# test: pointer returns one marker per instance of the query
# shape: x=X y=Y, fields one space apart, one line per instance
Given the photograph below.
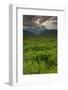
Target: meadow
x=40 y=54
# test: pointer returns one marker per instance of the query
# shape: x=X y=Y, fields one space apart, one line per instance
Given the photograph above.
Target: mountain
x=36 y=30
x=39 y=31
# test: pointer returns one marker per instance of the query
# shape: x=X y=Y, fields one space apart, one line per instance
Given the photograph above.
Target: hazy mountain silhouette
x=36 y=30
x=39 y=31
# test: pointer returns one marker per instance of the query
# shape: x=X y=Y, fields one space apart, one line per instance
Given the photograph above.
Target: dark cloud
x=32 y=20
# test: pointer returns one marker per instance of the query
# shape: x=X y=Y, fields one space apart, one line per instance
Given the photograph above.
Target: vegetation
x=40 y=54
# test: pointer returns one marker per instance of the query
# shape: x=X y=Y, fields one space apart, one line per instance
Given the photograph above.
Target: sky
x=49 y=22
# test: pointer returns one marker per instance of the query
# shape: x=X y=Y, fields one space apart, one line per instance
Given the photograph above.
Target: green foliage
x=40 y=55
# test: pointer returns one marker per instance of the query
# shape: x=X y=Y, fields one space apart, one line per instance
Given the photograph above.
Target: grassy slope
x=40 y=54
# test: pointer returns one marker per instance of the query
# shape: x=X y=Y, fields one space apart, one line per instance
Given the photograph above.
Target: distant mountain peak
x=37 y=29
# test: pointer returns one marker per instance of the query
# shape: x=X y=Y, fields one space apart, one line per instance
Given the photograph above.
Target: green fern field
x=40 y=54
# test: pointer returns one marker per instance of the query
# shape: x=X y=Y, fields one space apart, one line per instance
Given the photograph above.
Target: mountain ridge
x=38 y=30
x=49 y=32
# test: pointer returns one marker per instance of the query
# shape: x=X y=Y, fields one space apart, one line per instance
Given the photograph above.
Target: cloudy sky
x=49 y=22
